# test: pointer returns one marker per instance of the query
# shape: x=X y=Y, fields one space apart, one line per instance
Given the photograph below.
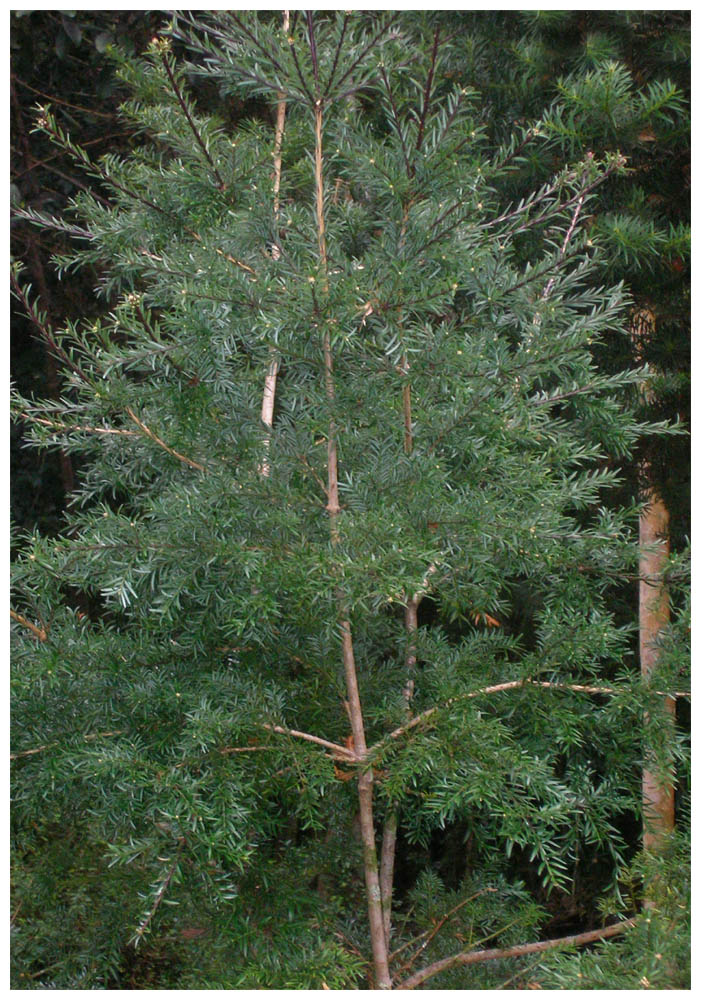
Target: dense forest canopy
x=351 y=351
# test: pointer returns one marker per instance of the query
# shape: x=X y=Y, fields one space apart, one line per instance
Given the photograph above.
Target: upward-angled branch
x=545 y=213
x=396 y=121
x=158 y=899
x=563 y=248
x=548 y=192
x=368 y=48
x=309 y=15
x=490 y=954
x=300 y=75
x=427 y=92
x=98 y=171
x=339 y=48
x=46 y=334
x=253 y=38
x=159 y=441
x=190 y=120
x=338 y=750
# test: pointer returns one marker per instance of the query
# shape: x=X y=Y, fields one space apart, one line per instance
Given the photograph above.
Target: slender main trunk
x=365 y=778
x=389 y=837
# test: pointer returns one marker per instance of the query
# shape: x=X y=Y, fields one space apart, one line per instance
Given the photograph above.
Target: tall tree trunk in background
x=658 y=793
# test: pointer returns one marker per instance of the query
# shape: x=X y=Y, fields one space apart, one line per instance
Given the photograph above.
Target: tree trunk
x=653 y=617
x=658 y=795
x=365 y=777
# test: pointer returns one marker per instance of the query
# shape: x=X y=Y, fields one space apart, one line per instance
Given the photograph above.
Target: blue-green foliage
x=189 y=607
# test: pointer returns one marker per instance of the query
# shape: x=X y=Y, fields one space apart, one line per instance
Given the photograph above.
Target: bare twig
x=146 y=922
x=40 y=633
x=171 y=451
x=563 y=249
x=77 y=427
x=486 y=955
x=47 y=746
x=339 y=750
x=66 y=104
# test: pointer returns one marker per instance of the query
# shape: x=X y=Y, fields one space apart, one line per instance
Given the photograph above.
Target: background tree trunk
x=658 y=794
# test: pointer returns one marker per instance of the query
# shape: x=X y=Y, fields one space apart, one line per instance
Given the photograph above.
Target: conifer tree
x=267 y=650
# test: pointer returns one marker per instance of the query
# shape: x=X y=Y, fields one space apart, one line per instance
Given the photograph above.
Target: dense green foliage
x=170 y=809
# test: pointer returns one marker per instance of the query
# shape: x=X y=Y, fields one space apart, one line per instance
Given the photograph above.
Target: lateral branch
x=506 y=686
x=486 y=955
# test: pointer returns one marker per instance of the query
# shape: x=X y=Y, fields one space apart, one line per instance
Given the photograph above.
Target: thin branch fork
x=446 y=916
x=486 y=955
x=304 y=461
x=431 y=933
x=338 y=750
x=193 y=127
